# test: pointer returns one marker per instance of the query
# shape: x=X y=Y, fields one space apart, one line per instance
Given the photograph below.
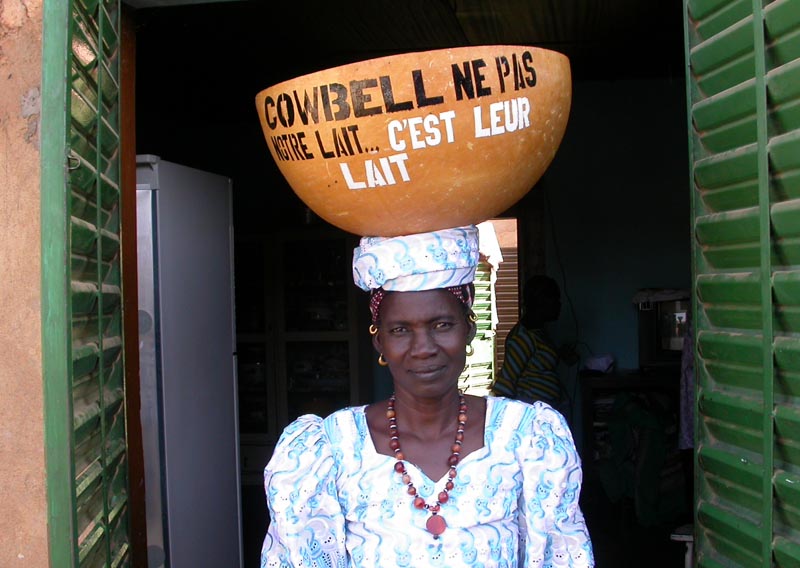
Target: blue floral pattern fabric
x=335 y=501
x=423 y=261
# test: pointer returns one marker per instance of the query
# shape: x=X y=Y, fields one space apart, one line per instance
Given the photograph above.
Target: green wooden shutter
x=744 y=99
x=477 y=376
x=82 y=308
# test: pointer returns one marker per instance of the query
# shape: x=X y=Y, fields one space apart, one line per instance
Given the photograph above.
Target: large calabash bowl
x=420 y=141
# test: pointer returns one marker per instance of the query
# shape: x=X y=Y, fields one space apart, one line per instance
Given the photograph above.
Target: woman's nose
x=422 y=344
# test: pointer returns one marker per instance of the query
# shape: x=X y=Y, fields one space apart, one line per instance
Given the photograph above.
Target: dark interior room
x=608 y=218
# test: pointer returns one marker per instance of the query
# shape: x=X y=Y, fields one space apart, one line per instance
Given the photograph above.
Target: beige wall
x=23 y=504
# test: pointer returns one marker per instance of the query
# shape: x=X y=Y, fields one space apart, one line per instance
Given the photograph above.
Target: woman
x=429 y=477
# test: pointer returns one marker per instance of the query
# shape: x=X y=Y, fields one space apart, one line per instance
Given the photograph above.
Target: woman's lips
x=426 y=371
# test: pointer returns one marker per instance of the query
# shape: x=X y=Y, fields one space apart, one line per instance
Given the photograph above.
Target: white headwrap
x=422 y=261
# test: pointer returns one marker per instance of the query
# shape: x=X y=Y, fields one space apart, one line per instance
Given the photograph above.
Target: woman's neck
x=427 y=418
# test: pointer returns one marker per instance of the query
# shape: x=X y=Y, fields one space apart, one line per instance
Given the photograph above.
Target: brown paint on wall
x=137 y=508
x=23 y=523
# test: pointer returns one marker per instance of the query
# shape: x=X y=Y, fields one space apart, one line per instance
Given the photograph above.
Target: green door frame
x=56 y=354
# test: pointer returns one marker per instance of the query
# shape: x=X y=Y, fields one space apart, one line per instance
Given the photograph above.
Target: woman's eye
x=443 y=325
x=396 y=330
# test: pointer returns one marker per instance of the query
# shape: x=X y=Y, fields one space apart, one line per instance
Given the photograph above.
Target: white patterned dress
x=334 y=501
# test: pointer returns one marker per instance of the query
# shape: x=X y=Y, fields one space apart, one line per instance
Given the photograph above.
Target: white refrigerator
x=187 y=346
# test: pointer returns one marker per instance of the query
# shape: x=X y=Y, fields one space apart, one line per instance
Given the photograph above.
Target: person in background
x=429 y=477
x=530 y=365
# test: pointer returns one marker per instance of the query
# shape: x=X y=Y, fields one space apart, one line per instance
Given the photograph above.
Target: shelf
x=599 y=395
x=303 y=357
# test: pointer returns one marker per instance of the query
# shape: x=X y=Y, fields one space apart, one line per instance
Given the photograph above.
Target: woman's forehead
x=419 y=304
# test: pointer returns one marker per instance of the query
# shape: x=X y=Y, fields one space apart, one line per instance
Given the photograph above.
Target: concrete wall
x=619 y=192
x=23 y=521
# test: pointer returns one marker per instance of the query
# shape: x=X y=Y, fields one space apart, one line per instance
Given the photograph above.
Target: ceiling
x=603 y=38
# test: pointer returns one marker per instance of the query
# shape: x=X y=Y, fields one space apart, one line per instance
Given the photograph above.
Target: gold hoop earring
x=473 y=318
x=373 y=330
x=381 y=361
x=470 y=349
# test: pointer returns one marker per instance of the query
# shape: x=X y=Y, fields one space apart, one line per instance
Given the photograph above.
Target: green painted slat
x=784 y=150
x=734 y=196
x=782 y=17
x=785 y=49
x=728 y=228
x=730 y=288
x=784 y=85
x=734 y=316
x=85 y=358
x=727 y=120
x=787 y=551
x=730 y=106
x=735 y=470
x=787 y=384
x=729 y=45
x=786 y=252
x=734 y=257
x=734 y=71
x=734 y=410
x=786 y=185
x=734 y=376
x=726 y=169
x=700 y=10
x=787 y=447
x=786 y=219
x=734 y=535
x=787 y=353
x=745 y=498
x=731 y=135
x=787 y=116
x=723 y=17
x=725 y=433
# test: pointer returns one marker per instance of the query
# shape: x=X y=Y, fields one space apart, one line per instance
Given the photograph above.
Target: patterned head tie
x=465 y=294
x=424 y=261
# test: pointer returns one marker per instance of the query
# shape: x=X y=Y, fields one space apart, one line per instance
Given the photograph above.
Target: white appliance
x=188 y=366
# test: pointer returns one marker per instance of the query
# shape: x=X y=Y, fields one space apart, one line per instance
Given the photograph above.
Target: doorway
x=195 y=101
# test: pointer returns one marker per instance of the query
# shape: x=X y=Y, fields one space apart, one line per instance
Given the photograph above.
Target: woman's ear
x=376 y=342
x=473 y=330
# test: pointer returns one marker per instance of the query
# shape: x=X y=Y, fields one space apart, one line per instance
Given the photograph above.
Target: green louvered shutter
x=744 y=100
x=476 y=379
x=82 y=326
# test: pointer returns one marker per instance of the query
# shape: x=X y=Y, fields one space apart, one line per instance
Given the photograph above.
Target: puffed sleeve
x=306 y=521
x=552 y=528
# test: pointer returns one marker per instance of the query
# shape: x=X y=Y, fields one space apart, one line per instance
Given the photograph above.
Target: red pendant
x=436 y=525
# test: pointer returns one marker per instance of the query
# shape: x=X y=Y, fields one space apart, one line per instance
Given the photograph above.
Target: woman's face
x=423 y=337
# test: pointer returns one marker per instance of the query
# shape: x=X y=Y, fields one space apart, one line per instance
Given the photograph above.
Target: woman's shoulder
x=505 y=412
x=518 y=425
x=313 y=439
x=311 y=429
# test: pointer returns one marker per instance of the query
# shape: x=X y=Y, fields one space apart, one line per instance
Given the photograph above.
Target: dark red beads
x=435 y=524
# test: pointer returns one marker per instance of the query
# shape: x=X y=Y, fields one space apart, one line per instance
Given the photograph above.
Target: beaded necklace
x=436 y=523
